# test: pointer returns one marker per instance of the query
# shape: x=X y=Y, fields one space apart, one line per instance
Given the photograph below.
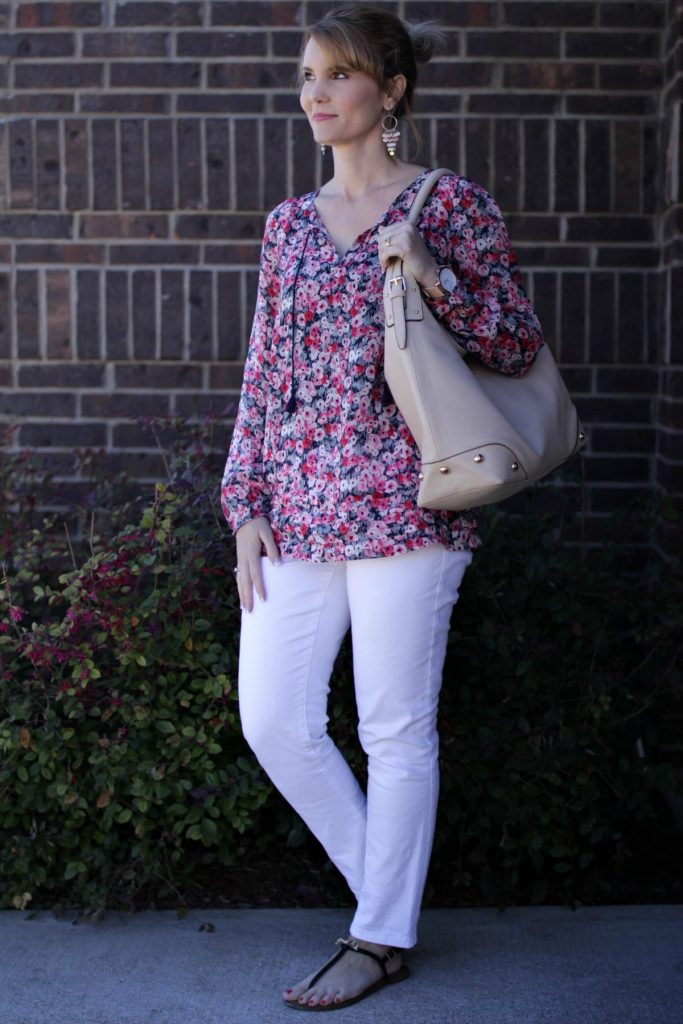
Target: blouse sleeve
x=244 y=492
x=489 y=312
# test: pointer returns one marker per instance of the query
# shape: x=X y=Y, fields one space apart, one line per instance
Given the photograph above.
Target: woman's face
x=352 y=103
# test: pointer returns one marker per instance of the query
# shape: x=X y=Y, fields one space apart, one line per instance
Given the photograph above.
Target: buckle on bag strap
x=398 y=281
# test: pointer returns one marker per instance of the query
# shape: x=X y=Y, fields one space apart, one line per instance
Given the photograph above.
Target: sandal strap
x=323 y=970
x=381 y=960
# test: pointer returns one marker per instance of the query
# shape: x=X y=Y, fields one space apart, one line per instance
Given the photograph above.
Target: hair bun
x=427 y=38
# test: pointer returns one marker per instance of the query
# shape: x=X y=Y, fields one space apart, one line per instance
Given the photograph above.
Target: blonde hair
x=379 y=44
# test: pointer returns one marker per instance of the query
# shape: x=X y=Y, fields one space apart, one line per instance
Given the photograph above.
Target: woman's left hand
x=403 y=240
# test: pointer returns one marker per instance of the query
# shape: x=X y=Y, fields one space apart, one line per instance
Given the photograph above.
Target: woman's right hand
x=250 y=539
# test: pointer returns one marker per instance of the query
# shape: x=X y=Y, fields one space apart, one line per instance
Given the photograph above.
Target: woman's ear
x=396 y=86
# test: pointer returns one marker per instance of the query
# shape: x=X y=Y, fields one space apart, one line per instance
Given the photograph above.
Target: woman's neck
x=357 y=176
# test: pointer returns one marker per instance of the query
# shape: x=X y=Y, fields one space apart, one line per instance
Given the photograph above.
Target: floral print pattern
x=317 y=447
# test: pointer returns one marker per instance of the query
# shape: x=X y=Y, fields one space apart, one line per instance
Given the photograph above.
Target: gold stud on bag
x=483 y=435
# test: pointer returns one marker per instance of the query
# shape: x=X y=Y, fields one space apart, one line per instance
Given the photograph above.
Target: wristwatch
x=446 y=281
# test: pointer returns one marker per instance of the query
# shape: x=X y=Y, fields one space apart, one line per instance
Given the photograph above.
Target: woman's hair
x=379 y=44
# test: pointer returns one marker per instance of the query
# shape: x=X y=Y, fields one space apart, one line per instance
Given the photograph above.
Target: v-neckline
x=365 y=231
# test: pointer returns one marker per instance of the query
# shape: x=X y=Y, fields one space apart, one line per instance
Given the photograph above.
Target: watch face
x=447 y=279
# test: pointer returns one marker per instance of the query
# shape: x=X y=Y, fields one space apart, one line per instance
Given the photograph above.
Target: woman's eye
x=307 y=75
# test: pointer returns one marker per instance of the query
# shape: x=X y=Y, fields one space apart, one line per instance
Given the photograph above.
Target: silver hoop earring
x=391 y=134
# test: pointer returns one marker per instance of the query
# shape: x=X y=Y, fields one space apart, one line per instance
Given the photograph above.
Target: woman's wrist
x=429 y=282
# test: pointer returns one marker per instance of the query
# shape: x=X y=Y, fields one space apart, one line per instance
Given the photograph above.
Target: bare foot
x=353 y=973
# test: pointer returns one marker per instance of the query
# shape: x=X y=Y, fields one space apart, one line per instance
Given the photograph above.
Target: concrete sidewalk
x=595 y=965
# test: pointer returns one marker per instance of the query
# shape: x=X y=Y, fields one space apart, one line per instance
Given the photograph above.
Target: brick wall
x=142 y=144
x=669 y=407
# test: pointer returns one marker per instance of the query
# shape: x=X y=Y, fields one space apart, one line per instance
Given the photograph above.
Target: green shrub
x=123 y=773
x=122 y=765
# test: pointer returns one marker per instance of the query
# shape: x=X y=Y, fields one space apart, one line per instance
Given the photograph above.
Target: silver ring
x=387 y=241
x=236 y=570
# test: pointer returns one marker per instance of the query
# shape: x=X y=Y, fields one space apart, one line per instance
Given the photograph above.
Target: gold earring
x=391 y=134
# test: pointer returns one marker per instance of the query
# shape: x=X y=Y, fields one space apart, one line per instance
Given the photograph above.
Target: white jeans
x=399 y=611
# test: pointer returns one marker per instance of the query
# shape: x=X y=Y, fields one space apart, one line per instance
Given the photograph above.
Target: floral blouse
x=318 y=445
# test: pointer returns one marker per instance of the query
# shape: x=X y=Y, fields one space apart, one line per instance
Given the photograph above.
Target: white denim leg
x=288 y=644
x=400 y=614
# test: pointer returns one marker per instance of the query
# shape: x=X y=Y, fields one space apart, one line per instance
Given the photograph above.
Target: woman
x=321 y=482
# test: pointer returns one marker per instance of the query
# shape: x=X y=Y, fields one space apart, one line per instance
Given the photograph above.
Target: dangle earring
x=391 y=134
x=323 y=148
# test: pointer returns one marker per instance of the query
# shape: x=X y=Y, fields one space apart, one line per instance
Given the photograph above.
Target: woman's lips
x=323 y=117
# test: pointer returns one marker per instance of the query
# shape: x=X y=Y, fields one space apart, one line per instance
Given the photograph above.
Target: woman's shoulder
x=290 y=215
x=465 y=193
x=287 y=210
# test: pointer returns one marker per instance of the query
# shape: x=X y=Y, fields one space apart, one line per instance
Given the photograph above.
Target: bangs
x=345 y=49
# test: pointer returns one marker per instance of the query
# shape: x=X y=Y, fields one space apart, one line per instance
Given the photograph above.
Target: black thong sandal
x=387 y=979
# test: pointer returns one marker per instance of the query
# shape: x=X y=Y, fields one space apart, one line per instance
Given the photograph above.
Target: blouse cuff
x=242 y=503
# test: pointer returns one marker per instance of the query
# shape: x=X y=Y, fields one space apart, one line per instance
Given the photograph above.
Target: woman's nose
x=318 y=90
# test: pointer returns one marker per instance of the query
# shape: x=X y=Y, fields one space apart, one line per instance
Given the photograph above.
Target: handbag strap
x=395 y=285
x=426 y=187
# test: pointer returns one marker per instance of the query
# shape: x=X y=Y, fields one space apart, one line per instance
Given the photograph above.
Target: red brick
x=613 y=229
x=223 y=44
x=88 y=314
x=59 y=329
x=60 y=375
x=631 y=15
x=625 y=440
x=161 y=169
x=39 y=403
x=250 y=76
x=172 y=314
x=226 y=375
x=148 y=12
x=512 y=44
x=63 y=435
x=124 y=406
x=124 y=225
x=170 y=376
x=555 y=76
x=201 y=315
x=126 y=44
x=636 y=45
x=27 y=314
x=216 y=225
x=144 y=314
x=264 y=13
x=36 y=44
x=5 y=315
x=126 y=103
x=188 y=148
x=155 y=254
x=132 y=164
x=58 y=15
x=170 y=75
x=58 y=76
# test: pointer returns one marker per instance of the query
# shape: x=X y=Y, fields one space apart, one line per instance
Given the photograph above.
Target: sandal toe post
x=387 y=979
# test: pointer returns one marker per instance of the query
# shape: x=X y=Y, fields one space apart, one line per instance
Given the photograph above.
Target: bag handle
x=395 y=284
x=426 y=187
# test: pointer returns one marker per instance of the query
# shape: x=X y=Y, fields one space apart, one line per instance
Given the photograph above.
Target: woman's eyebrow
x=332 y=67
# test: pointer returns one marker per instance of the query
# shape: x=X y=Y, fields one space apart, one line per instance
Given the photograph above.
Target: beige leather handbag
x=483 y=435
